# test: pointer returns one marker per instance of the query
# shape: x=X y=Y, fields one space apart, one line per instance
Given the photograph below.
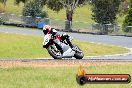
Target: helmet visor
x=45 y=31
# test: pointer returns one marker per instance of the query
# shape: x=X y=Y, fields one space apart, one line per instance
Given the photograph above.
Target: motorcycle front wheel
x=52 y=51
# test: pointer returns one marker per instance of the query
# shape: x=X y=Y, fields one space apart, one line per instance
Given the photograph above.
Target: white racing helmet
x=46 y=29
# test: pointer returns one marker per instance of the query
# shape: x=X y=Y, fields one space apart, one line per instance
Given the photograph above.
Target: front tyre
x=79 y=54
x=53 y=53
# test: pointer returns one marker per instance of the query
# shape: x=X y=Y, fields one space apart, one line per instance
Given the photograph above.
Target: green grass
x=21 y=46
x=60 y=77
x=94 y=49
x=120 y=19
x=82 y=14
x=28 y=46
x=11 y=7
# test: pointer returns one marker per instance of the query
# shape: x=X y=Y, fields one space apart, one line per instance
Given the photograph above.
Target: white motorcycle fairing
x=68 y=52
x=46 y=39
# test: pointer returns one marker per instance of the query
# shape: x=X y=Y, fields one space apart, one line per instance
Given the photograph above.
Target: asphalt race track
x=105 y=39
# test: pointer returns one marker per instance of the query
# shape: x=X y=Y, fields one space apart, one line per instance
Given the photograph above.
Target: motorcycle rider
x=48 y=30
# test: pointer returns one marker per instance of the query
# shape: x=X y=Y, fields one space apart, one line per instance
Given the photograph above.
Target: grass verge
x=60 y=77
x=28 y=46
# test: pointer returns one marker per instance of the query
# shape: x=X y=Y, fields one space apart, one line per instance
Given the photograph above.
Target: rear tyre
x=53 y=53
x=79 y=54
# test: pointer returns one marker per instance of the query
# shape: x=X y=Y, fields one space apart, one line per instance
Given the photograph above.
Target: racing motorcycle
x=65 y=51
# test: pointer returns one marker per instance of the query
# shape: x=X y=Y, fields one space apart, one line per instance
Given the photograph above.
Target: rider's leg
x=68 y=40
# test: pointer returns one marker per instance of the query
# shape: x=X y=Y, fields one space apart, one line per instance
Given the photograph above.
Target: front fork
x=58 y=46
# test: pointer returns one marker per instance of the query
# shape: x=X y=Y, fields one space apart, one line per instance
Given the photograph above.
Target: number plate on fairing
x=46 y=39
